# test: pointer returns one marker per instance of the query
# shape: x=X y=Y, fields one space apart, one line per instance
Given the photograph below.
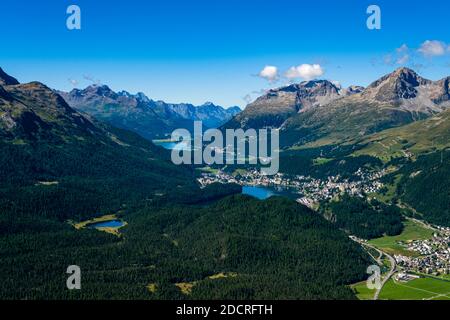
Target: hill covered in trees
x=365 y=219
x=58 y=166
x=425 y=186
x=236 y=248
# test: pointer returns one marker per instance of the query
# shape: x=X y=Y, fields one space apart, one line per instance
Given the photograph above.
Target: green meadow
x=362 y=292
x=412 y=231
x=417 y=289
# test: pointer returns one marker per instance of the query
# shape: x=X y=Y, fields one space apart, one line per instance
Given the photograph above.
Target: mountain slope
x=277 y=105
x=32 y=111
x=413 y=139
x=424 y=185
x=58 y=163
x=6 y=79
x=122 y=110
x=150 y=119
x=399 y=98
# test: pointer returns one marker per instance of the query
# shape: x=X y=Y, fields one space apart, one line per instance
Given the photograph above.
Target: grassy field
x=239 y=171
x=152 y=287
x=417 y=289
x=186 y=287
x=412 y=231
x=319 y=161
x=385 y=149
x=390 y=192
x=208 y=170
x=362 y=292
x=413 y=139
x=83 y=224
x=105 y=218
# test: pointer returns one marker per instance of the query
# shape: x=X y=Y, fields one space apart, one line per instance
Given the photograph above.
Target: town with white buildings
x=310 y=190
x=433 y=255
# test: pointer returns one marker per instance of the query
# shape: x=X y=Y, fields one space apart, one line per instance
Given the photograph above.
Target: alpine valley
x=368 y=167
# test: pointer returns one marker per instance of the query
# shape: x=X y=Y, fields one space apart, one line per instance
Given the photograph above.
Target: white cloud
x=91 y=78
x=404 y=48
x=304 y=71
x=432 y=48
x=403 y=59
x=387 y=59
x=73 y=82
x=269 y=73
x=402 y=55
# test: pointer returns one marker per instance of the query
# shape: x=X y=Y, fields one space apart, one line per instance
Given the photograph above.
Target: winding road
x=392 y=261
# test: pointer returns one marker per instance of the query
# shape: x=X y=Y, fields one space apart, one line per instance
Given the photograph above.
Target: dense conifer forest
x=176 y=233
x=425 y=185
x=365 y=219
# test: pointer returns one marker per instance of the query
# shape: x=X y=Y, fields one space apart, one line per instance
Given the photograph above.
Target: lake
x=107 y=224
x=258 y=192
x=171 y=145
x=262 y=193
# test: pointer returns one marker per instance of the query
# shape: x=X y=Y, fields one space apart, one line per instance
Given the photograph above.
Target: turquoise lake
x=170 y=145
x=107 y=224
x=262 y=193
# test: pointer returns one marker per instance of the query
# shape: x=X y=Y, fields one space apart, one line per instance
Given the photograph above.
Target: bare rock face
x=277 y=105
x=32 y=111
x=136 y=112
x=443 y=93
x=396 y=99
x=401 y=84
x=315 y=110
x=353 y=90
x=4 y=94
x=410 y=92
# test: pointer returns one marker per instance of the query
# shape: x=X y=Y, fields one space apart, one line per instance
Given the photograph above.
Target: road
x=380 y=262
x=422 y=223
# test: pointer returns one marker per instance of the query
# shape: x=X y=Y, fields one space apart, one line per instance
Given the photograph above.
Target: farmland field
x=412 y=231
x=417 y=289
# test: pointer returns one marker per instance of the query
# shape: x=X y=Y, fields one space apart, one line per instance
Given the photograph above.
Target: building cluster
x=220 y=177
x=311 y=190
x=434 y=254
x=405 y=277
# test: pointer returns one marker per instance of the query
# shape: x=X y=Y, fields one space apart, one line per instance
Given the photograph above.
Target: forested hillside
x=365 y=219
x=425 y=185
x=59 y=167
x=274 y=249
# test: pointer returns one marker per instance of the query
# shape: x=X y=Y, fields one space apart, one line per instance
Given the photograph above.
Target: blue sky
x=197 y=51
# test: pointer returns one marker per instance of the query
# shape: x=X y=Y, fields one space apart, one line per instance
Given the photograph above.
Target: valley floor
x=417 y=275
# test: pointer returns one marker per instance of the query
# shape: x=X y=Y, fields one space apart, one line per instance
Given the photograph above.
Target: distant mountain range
x=43 y=139
x=321 y=112
x=136 y=112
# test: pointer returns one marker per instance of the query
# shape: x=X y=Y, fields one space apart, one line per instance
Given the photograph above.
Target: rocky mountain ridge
x=136 y=112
